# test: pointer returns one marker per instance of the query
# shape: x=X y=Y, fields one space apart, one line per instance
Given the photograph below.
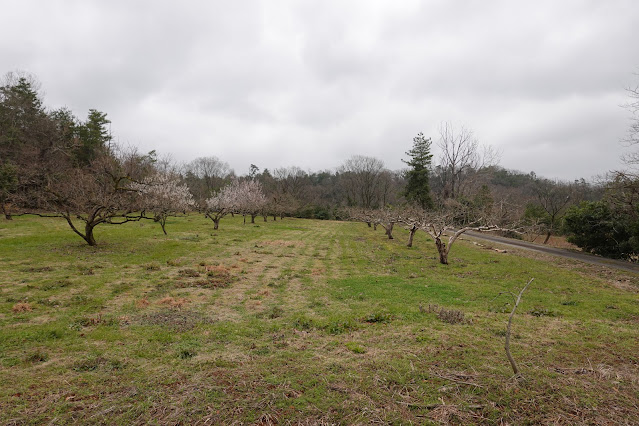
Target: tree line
x=55 y=164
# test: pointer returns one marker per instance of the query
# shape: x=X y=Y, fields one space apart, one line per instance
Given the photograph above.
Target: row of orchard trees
x=444 y=223
x=54 y=164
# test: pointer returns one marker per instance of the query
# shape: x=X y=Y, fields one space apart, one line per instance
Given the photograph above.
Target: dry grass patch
x=625 y=285
x=264 y=292
x=173 y=302
x=142 y=303
x=21 y=307
x=215 y=276
x=605 y=372
x=188 y=273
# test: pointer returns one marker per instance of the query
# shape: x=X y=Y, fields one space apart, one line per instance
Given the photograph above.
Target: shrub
x=452 y=316
x=596 y=228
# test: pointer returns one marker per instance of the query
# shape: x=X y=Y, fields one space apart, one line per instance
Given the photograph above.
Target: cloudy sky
x=310 y=83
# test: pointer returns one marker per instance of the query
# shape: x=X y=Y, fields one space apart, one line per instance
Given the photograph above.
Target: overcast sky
x=310 y=83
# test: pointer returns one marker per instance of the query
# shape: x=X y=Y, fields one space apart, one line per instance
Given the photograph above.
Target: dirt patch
x=626 y=285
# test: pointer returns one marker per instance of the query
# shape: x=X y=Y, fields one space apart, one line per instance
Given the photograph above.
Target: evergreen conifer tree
x=418 y=176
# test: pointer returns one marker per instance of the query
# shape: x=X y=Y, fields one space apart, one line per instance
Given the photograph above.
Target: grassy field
x=303 y=322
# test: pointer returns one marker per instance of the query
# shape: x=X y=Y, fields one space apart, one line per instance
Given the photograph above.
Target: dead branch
x=517 y=299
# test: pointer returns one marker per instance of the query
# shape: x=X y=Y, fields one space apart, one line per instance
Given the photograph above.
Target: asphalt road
x=582 y=257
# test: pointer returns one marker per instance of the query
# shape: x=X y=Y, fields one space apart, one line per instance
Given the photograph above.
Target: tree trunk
x=389 y=230
x=369 y=224
x=88 y=229
x=547 y=238
x=274 y=218
x=443 y=253
x=7 y=214
x=163 y=224
x=88 y=234
x=411 y=234
x=265 y=218
x=252 y=218
x=216 y=223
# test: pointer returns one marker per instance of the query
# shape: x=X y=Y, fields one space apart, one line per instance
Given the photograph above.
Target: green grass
x=302 y=321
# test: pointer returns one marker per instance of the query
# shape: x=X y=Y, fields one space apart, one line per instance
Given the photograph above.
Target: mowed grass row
x=301 y=321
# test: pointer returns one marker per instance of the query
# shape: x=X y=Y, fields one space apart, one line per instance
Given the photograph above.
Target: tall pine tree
x=418 y=176
x=94 y=137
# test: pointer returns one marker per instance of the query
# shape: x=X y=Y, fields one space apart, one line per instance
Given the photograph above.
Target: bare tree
x=282 y=204
x=385 y=217
x=516 y=300
x=286 y=190
x=361 y=176
x=461 y=157
x=632 y=138
x=290 y=181
x=411 y=219
x=359 y=214
x=554 y=198
x=441 y=222
x=94 y=195
x=205 y=175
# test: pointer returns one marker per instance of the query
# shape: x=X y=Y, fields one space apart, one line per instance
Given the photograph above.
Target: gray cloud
x=311 y=83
